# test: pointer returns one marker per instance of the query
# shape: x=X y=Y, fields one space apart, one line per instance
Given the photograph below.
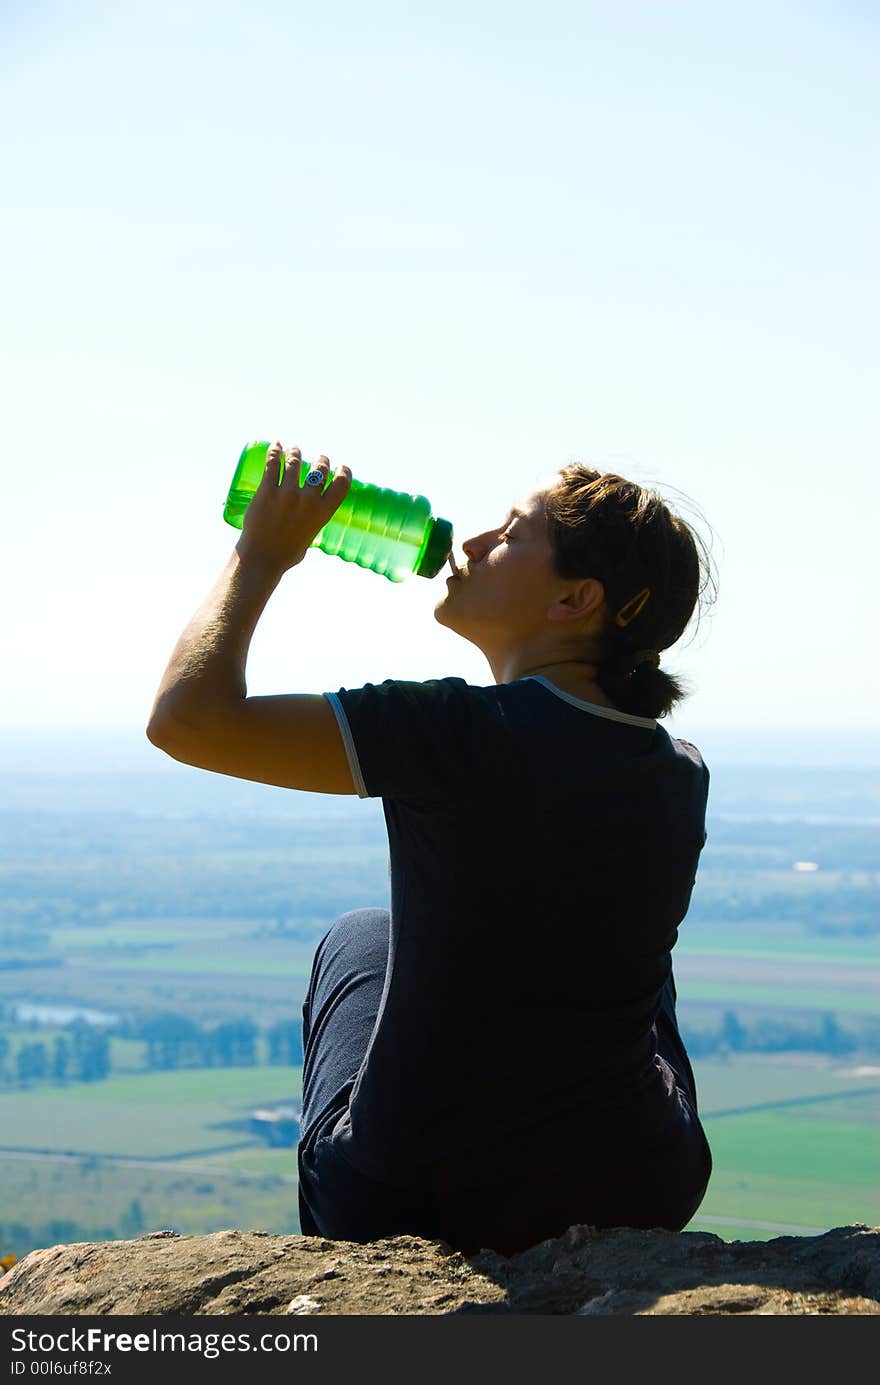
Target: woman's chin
x=442 y=613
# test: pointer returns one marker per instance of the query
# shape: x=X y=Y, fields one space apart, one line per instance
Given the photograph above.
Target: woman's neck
x=573 y=676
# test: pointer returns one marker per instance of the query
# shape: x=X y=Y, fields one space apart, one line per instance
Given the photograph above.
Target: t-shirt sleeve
x=424 y=741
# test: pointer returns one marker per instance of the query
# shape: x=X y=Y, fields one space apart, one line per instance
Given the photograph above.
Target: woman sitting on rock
x=496 y=1057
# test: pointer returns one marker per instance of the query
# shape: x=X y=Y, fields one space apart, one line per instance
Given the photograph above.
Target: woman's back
x=542 y=855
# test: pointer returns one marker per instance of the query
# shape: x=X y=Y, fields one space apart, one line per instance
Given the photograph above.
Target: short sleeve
x=424 y=741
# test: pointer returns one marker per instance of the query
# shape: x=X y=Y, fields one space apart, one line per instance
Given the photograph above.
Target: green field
x=750 y=1079
x=148 y=1157
x=143 y=933
x=256 y=1159
x=53 y=1203
x=773 y=944
x=233 y=965
x=774 y=966
x=206 y=968
x=729 y=995
x=796 y=1170
x=149 y=1116
x=810 y=1163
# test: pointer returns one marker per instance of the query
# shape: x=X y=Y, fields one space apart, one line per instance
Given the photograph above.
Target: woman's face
x=502 y=597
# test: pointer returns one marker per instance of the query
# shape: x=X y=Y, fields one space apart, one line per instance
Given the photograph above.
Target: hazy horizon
x=58 y=750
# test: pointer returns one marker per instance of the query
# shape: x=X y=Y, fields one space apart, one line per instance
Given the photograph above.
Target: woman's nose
x=472 y=548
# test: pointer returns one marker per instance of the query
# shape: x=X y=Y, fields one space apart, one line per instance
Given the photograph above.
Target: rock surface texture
x=585 y=1271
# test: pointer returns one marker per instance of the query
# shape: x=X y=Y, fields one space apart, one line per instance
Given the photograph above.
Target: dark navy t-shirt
x=542 y=854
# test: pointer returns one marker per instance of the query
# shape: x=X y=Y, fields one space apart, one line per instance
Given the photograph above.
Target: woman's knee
x=359 y=934
x=366 y=920
x=355 y=946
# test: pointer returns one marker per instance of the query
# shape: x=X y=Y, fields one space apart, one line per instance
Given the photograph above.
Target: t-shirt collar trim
x=611 y=712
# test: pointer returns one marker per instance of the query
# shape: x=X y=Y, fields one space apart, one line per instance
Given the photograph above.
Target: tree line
x=83 y=1052
x=821 y=1035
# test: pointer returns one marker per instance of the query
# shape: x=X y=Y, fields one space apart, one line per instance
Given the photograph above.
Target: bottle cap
x=436 y=549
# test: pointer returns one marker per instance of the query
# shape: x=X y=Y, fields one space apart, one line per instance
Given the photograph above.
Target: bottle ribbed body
x=389 y=532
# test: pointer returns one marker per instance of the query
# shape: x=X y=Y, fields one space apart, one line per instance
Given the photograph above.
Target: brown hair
x=653 y=566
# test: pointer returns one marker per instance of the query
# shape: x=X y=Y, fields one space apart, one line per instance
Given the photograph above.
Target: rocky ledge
x=585 y=1271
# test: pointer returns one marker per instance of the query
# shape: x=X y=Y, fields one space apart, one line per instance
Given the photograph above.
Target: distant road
x=121 y=1161
x=791 y=1101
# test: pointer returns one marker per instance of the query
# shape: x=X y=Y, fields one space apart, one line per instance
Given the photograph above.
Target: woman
x=497 y=1056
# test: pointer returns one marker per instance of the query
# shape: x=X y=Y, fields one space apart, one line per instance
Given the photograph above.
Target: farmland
x=210 y=919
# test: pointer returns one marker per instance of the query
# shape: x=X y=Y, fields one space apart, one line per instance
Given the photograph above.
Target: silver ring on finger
x=316 y=477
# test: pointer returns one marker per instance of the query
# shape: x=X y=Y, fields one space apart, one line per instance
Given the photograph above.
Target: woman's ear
x=585 y=598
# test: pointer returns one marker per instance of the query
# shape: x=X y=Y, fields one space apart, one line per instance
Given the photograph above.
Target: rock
x=242 y=1272
x=584 y=1272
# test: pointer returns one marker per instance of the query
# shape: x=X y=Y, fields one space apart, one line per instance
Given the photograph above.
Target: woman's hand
x=283 y=520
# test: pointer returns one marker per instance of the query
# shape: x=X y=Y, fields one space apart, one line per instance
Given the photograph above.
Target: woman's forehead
x=530 y=505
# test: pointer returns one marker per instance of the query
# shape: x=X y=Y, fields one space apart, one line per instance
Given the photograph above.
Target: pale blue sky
x=454 y=247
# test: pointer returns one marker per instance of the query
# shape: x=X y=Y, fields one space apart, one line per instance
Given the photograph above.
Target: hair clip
x=641 y=597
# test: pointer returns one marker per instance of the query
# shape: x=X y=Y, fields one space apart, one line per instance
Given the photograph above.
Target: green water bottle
x=389 y=532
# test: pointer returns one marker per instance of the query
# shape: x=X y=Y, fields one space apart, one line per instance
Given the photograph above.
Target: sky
x=453 y=247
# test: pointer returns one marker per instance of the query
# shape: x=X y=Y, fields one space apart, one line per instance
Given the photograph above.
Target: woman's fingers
x=292 y=476
x=272 y=470
x=292 y=466
x=322 y=465
x=339 y=485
